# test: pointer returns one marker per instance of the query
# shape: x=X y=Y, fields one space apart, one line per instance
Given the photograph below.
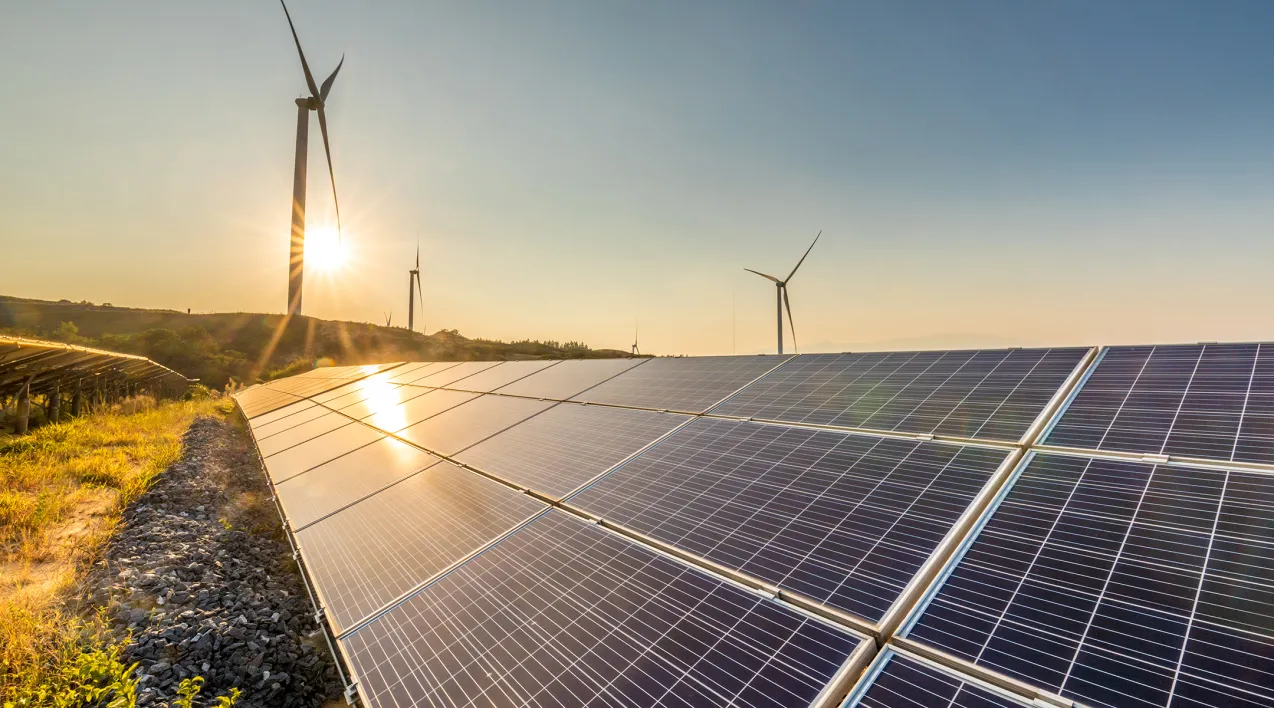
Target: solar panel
x=691 y=384
x=562 y=448
x=452 y=374
x=986 y=394
x=282 y=412
x=1213 y=401
x=568 y=378
x=464 y=425
x=335 y=484
x=258 y=401
x=417 y=370
x=564 y=613
x=381 y=400
x=393 y=417
x=352 y=392
x=845 y=519
x=263 y=430
x=1119 y=583
x=372 y=552
x=497 y=376
x=296 y=435
x=902 y=681
x=312 y=453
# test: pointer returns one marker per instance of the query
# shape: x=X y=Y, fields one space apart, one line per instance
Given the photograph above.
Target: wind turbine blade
x=327 y=149
x=417 y=257
x=309 y=78
x=763 y=275
x=807 y=252
x=788 y=304
x=327 y=84
x=421 y=297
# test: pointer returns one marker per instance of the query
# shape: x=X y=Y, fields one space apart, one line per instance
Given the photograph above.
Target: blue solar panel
x=690 y=384
x=563 y=613
x=566 y=446
x=986 y=394
x=845 y=519
x=1120 y=584
x=901 y=681
x=383 y=546
x=1213 y=401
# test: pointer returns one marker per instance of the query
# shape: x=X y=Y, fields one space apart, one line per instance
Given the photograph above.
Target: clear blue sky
x=984 y=172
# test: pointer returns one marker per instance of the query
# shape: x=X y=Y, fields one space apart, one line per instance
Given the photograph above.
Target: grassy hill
x=249 y=346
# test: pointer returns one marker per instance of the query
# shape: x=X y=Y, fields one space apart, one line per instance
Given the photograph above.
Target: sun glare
x=324 y=250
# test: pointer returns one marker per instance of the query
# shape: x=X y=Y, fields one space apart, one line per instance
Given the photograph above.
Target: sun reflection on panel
x=383 y=399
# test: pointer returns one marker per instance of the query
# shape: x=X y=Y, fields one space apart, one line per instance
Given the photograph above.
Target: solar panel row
x=1120 y=583
x=1082 y=580
x=1205 y=401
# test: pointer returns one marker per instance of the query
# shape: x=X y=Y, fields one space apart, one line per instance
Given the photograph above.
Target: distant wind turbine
x=414 y=290
x=635 y=351
x=315 y=102
x=389 y=319
x=783 y=301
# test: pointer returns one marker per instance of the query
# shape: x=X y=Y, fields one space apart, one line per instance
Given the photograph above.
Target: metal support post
x=53 y=409
x=24 y=408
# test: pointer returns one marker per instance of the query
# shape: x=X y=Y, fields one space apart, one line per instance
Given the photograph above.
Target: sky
x=983 y=173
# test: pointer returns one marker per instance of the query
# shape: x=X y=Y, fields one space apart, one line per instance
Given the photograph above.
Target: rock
x=228 y=605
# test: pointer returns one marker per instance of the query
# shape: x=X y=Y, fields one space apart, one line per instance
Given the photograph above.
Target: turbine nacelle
x=784 y=302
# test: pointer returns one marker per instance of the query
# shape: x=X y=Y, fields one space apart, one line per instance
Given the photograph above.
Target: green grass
x=62 y=492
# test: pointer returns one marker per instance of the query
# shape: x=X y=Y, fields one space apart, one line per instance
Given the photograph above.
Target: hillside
x=250 y=346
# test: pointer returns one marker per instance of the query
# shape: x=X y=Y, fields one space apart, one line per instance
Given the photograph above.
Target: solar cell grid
x=276 y=414
x=506 y=373
x=1213 y=401
x=303 y=415
x=451 y=374
x=260 y=401
x=296 y=435
x=904 y=682
x=1120 y=584
x=344 y=480
x=417 y=370
x=383 y=546
x=565 y=613
x=562 y=448
x=844 y=519
x=690 y=385
x=457 y=428
x=567 y=378
x=312 y=453
x=393 y=417
x=983 y=394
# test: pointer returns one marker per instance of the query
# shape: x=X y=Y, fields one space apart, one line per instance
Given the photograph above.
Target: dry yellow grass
x=62 y=491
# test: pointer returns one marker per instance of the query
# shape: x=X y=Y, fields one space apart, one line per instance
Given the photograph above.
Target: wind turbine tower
x=315 y=102
x=414 y=290
x=781 y=293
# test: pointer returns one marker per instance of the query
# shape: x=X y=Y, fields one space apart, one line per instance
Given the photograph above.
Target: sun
x=324 y=249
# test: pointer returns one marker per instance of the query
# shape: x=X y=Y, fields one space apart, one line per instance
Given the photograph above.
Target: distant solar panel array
x=976 y=528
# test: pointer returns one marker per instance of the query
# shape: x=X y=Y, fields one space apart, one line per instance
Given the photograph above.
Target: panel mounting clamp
x=1159 y=459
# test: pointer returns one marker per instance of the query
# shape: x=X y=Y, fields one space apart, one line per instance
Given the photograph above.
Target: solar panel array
x=1009 y=526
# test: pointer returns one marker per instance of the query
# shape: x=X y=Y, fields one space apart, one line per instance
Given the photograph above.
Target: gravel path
x=202 y=576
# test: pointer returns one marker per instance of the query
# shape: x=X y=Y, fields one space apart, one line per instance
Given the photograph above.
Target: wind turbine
x=317 y=99
x=635 y=351
x=783 y=301
x=389 y=319
x=414 y=290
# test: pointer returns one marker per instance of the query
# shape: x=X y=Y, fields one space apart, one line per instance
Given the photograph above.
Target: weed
x=186 y=692
x=62 y=493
